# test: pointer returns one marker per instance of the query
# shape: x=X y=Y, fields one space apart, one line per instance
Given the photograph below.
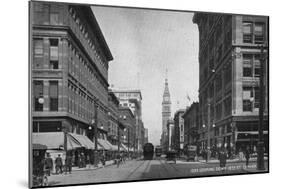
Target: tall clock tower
x=166 y=113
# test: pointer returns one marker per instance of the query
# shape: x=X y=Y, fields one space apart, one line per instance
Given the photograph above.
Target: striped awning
x=54 y=140
x=84 y=141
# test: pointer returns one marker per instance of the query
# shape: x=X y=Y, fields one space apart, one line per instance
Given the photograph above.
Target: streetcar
x=158 y=151
x=148 y=151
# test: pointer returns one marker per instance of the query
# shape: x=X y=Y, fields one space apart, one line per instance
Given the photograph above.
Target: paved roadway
x=154 y=169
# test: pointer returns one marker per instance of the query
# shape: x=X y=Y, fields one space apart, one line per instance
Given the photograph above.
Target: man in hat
x=48 y=164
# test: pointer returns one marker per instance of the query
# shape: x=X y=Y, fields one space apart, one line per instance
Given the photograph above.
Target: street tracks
x=135 y=171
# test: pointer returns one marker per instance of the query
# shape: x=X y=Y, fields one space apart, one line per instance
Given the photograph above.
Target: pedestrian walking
x=103 y=160
x=79 y=161
x=48 y=164
x=247 y=156
x=241 y=155
x=118 y=160
x=59 y=164
x=68 y=164
x=222 y=158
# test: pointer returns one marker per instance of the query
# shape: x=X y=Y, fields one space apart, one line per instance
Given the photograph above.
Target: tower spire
x=166 y=76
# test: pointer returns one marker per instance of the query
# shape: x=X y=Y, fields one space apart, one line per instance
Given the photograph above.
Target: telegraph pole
x=260 y=159
x=96 y=134
x=208 y=130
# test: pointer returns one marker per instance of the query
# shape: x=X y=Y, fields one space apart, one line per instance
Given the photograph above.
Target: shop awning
x=123 y=147
x=104 y=144
x=39 y=147
x=114 y=147
x=54 y=140
x=84 y=141
x=251 y=132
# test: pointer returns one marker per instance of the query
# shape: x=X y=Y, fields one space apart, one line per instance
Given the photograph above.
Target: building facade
x=191 y=124
x=132 y=99
x=179 y=131
x=166 y=115
x=113 y=119
x=69 y=70
x=230 y=55
x=128 y=120
x=171 y=139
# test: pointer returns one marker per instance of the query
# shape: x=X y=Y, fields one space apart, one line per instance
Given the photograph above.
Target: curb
x=95 y=168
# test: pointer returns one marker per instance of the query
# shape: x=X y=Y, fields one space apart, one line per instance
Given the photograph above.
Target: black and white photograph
x=122 y=94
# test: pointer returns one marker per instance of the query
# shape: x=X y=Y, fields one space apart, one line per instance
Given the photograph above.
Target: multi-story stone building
x=132 y=99
x=170 y=135
x=113 y=119
x=230 y=49
x=191 y=124
x=128 y=120
x=179 y=131
x=166 y=115
x=69 y=70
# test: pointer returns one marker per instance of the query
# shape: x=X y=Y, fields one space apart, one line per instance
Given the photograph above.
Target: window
x=38 y=53
x=227 y=73
x=253 y=32
x=219 y=53
x=38 y=47
x=247 y=32
x=53 y=95
x=256 y=97
x=54 y=18
x=257 y=65
x=251 y=65
x=218 y=81
x=218 y=111
x=227 y=106
x=247 y=98
x=54 y=53
x=247 y=65
x=259 y=33
x=38 y=95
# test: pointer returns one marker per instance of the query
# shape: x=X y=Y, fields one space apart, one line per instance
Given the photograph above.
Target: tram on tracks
x=158 y=151
x=148 y=151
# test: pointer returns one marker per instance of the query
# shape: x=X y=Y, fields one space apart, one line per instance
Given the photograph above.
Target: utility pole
x=208 y=130
x=96 y=134
x=260 y=159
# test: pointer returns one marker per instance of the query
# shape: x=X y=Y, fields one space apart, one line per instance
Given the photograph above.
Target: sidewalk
x=229 y=160
x=92 y=167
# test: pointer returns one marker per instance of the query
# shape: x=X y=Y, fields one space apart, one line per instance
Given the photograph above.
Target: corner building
x=230 y=49
x=69 y=69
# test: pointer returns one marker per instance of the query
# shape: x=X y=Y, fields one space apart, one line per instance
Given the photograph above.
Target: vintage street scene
x=129 y=94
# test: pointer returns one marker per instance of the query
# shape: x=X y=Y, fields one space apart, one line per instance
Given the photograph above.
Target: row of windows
x=253 y=32
x=251 y=65
x=39 y=100
x=84 y=72
x=46 y=13
x=113 y=128
x=83 y=29
x=38 y=51
x=79 y=103
x=251 y=98
x=217 y=112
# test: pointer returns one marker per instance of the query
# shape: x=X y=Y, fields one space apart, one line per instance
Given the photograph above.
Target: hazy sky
x=146 y=43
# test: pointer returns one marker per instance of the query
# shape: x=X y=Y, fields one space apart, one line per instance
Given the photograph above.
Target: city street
x=146 y=170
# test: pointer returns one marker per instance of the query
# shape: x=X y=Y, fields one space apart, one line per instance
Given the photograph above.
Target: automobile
x=171 y=156
x=190 y=151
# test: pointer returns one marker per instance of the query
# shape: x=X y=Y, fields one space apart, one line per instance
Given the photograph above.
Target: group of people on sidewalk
x=59 y=166
x=223 y=154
